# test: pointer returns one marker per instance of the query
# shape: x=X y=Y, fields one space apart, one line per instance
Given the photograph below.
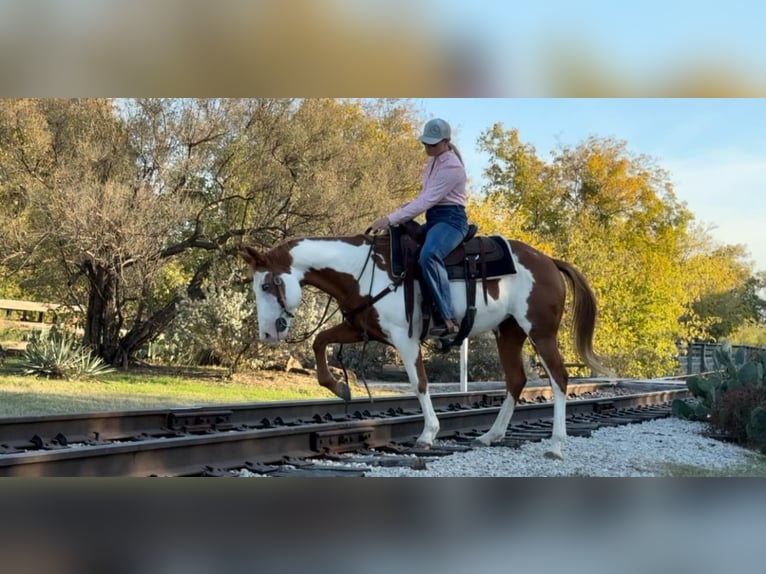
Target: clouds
x=725 y=189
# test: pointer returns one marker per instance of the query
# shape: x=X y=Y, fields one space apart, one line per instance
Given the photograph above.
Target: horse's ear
x=253 y=257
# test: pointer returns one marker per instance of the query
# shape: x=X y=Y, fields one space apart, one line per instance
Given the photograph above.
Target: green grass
x=143 y=388
x=755 y=466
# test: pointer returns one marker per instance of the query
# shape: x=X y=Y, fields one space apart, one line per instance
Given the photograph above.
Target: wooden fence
x=19 y=319
x=699 y=357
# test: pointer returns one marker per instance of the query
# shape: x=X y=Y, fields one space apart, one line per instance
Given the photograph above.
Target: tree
x=520 y=183
x=736 y=303
x=615 y=216
x=121 y=209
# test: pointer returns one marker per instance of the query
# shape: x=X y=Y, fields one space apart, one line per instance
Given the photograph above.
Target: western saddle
x=477 y=257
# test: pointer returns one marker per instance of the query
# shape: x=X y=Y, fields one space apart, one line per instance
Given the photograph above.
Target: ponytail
x=453 y=149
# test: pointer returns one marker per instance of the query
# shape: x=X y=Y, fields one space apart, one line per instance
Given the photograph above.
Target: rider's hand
x=380 y=223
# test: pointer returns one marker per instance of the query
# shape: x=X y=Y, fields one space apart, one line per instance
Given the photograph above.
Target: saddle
x=477 y=257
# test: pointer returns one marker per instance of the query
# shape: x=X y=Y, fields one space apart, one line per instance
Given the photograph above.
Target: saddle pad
x=494 y=250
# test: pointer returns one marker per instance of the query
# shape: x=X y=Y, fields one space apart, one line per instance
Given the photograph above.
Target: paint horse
x=355 y=271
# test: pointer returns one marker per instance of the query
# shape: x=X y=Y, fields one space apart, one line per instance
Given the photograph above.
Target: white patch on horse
x=269 y=308
x=559 y=434
x=497 y=431
x=338 y=255
x=513 y=300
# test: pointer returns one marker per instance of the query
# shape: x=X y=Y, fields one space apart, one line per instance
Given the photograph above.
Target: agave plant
x=56 y=355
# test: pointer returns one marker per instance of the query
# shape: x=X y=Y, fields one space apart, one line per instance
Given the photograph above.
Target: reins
x=365 y=306
x=346 y=315
x=305 y=336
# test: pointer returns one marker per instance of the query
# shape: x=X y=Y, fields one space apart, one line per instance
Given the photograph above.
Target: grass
x=755 y=466
x=151 y=387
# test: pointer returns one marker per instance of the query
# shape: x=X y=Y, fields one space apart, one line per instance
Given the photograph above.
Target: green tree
x=122 y=209
x=520 y=183
x=614 y=215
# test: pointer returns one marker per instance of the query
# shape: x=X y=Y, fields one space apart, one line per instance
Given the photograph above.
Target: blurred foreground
x=367 y=526
x=372 y=48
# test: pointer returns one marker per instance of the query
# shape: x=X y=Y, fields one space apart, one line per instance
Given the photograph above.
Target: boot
x=448 y=329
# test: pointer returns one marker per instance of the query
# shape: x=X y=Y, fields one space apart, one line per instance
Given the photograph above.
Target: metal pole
x=464 y=366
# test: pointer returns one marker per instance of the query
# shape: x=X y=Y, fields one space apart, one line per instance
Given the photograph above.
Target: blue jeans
x=446 y=226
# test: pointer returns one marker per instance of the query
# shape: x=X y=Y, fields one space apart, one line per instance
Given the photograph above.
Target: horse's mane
x=357 y=239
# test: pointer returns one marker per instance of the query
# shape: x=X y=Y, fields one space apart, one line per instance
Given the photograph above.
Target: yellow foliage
x=614 y=216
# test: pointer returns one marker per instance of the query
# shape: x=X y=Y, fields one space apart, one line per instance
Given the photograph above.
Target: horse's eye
x=266 y=287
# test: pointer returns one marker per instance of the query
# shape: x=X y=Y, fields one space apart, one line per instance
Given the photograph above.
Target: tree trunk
x=144 y=331
x=102 y=323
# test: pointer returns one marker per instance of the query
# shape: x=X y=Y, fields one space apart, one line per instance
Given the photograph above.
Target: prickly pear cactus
x=740 y=357
x=693 y=411
x=751 y=373
x=734 y=371
x=693 y=384
x=682 y=409
x=756 y=428
x=706 y=387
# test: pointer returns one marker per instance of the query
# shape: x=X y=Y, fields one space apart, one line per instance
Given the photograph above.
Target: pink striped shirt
x=444 y=180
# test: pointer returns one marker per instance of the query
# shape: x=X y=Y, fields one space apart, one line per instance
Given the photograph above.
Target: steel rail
x=188 y=452
x=44 y=431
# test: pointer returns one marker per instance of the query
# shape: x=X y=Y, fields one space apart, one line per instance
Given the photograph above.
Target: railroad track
x=300 y=437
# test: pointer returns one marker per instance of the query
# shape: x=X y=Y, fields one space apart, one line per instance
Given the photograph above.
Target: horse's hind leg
x=550 y=357
x=510 y=341
x=342 y=333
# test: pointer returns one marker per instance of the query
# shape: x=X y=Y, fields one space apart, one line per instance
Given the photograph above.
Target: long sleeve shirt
x=444 y=180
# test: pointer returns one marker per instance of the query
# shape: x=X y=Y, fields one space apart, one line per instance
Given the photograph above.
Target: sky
x=714 y=149
x=637 y=40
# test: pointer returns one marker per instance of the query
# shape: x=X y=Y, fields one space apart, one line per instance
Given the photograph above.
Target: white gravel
x=643 y=449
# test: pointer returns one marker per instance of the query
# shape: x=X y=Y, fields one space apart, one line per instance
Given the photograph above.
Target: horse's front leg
x=416 y=372
x=342 y=333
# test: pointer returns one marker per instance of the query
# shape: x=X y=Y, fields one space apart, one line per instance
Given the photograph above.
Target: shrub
x=732 y=399
x=57 y=355
x=222 y=328
x=219 y=328
x=732 y=412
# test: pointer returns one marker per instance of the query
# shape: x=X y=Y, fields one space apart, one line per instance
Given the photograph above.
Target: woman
x=443 y=199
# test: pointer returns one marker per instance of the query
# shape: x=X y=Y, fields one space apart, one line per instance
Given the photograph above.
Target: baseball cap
x=435 y=131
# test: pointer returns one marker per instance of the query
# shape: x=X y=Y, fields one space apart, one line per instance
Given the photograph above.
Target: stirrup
x=444 y=330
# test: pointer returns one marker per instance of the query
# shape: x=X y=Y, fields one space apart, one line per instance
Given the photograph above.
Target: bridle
x=277 y=287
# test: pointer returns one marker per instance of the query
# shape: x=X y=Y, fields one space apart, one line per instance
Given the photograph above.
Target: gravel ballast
x=634 y=450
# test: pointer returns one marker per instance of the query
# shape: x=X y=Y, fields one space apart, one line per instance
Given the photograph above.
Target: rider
x=443 y=199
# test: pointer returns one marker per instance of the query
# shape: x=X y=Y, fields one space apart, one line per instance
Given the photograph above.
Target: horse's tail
x=584 y=312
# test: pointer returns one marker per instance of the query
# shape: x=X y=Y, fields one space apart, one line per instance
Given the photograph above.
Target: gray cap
x=435 y=131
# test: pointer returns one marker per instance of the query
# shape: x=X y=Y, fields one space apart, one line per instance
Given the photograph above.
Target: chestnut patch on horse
x=493 y=288
x=277 y=260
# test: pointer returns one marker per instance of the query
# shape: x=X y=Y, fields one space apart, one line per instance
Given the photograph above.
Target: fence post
x=689 y=362
x=464 y=366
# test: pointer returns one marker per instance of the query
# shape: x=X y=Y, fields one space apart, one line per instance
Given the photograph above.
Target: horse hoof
x=479 y=443
x=553 y=455
x=422 y=444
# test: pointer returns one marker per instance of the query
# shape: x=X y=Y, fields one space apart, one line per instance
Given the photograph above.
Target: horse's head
x=277 y=293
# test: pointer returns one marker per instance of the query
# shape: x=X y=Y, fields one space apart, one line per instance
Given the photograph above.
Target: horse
x=356 y=271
